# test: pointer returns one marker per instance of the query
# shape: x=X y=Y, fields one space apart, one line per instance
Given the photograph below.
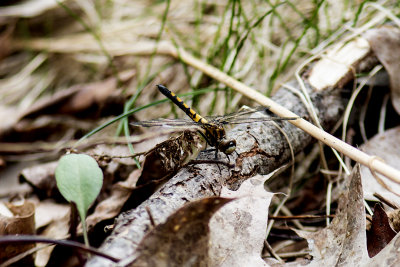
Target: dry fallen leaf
x=170 y=155
x=389 y=256
x=380 y=233
x=91 y=94
x=48 y=211
x=9 y=185
x=27 y=9
x=9 y=116
x=343 y=243
x=183 y=240
x=41 y=178
x=386 y=146
x=385 y=43
x=21 y=221
x=5 y=41
x=111 y=206
x=57 y=229
x=78 y=98
x=238 y=230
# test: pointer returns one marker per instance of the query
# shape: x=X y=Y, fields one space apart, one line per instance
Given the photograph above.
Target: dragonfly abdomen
x=182 y=105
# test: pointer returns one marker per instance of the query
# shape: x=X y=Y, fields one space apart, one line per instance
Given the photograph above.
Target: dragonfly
x=211 y=128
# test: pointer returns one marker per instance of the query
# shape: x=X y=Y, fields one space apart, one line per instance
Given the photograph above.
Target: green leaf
x=79 y=180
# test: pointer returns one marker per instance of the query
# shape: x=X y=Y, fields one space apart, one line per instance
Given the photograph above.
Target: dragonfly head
x=227 y=146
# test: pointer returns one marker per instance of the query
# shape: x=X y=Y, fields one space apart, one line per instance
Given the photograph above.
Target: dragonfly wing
x=179 y=124
x=261 y=119
x=243 y=117
x=235 y=115
x=246 y=112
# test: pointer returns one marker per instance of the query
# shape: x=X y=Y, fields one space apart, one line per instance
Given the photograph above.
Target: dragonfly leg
x=212 y=149
x=219 y=168
x=227 y=156
x=205 y=138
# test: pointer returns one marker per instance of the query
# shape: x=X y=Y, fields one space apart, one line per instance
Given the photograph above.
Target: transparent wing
x=243 y=117
x=166 y=123
x=252 y=120
x=233 y=116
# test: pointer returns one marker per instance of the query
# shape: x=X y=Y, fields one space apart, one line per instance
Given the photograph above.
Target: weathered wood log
x=261 y=148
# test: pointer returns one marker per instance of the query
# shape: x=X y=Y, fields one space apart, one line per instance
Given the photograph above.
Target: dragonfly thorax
x=215 y=135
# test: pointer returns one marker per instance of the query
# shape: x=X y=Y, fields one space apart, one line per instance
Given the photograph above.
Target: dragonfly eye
x=227 y=146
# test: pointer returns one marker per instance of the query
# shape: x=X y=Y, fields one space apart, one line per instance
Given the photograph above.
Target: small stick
x=301 y=217
x=386 y=201
x=272 y=252
x=68 y=243
x=152 y=222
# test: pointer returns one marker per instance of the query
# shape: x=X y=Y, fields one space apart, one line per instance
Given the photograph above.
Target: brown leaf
x=183 y=239
x=76 y=99
x=50 y=104
x=111 y=206
x=380 y=233
x=385 y=43
x=389 y=256
x=5 y=41
x=41 y=178
x=89 y=95
x=343 y=242
x=169 y=156
x=22 y=221
x=80 y=98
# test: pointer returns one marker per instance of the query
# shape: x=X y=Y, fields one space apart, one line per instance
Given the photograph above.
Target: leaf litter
x=344 y=242
x=236 y=240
